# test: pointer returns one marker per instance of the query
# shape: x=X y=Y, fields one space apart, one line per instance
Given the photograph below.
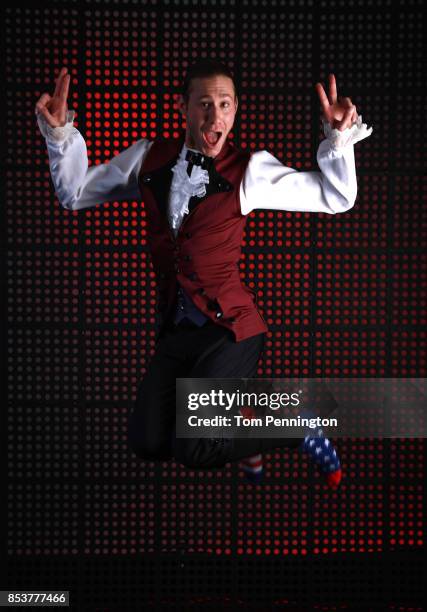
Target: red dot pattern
x=343 y=295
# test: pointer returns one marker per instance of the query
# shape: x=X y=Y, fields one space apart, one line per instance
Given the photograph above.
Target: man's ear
x=182 y=107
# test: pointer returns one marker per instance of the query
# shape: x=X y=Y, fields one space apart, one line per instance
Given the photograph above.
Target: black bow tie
x=198 y=159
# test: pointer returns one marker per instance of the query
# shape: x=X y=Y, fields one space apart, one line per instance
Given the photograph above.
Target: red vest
x=205 y=254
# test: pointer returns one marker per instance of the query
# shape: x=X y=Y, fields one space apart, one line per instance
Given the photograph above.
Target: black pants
x=193 y=352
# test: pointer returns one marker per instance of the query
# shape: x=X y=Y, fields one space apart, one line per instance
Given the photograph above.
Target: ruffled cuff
x=56 y=134
x=351 y=135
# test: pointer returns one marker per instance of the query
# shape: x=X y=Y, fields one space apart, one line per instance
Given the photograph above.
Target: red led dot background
x=344 y=296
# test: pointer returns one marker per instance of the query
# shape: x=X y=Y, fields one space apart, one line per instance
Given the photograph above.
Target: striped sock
x=253 y=468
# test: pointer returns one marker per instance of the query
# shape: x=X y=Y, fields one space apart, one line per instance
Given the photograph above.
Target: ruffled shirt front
x=184 y=187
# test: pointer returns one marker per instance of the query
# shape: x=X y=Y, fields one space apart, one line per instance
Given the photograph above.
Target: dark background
x=344 y=295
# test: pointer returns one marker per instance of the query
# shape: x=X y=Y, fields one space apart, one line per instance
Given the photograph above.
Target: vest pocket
x=234 y=300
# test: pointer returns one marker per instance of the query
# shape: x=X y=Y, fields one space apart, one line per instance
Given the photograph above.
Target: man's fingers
x=346 y=120
x=42 y=101
x=65 y=87
x=46 y=114
x=322 y=97
x=332 y=89
x=51 y=120
x=59 y=80
x=353 y=111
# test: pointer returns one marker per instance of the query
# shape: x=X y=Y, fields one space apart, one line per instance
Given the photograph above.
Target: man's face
x=210 y=113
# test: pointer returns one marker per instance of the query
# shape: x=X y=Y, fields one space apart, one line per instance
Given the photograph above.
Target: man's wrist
x=56 y=134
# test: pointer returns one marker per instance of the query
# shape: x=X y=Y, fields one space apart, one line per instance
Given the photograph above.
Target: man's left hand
x=340 y=113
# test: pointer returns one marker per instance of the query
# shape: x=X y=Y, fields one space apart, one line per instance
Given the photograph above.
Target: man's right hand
x=54 y=108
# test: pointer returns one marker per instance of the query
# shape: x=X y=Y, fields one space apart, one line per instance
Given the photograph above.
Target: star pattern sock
x=322 y=452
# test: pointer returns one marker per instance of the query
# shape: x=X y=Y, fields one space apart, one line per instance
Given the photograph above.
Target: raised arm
x=76 y=185
x=267 y=183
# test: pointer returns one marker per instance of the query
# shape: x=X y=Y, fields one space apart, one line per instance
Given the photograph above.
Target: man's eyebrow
x=223 y=95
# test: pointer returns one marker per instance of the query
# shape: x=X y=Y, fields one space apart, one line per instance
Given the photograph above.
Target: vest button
x=219 y=315
x=188 y=235
x=187 y=258
x=201 y=291
x=192 y=276
x=146 y=178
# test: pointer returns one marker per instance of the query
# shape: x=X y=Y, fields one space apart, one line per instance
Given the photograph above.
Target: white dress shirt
x=266 y=183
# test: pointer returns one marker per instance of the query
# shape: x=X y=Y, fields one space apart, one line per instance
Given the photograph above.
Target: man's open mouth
x=212 y=138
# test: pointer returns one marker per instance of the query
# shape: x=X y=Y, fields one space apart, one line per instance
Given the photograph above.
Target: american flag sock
x=322 y=452
x=253 y=468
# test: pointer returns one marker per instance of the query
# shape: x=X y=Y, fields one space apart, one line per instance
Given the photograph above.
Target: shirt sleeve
x=79 y=186
x=267 y=183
